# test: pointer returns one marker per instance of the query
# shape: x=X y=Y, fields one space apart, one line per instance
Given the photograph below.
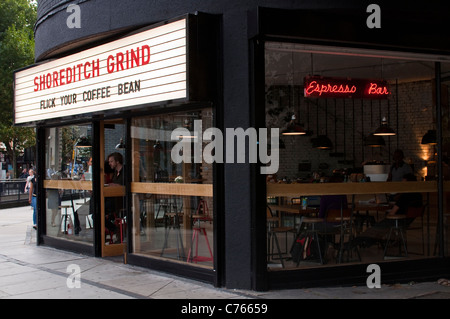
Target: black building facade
x=124 y=78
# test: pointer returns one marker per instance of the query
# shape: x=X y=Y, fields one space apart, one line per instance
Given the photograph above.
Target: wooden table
x=309 y=189
x=294 y=209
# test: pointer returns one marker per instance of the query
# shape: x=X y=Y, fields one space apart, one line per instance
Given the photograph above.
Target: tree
x=17 y=18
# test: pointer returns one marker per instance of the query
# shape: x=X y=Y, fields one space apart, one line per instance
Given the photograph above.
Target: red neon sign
x=327 y=87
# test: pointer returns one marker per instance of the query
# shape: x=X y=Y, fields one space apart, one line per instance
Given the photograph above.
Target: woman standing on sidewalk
x=32 y=198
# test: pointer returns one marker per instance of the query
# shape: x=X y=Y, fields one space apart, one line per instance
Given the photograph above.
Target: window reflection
x=172 y=203
x=68 y=183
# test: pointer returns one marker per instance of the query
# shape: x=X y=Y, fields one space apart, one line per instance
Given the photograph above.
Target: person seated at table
x=329 y=227
x=399 y=168
x=378 y=231
x=328 y=202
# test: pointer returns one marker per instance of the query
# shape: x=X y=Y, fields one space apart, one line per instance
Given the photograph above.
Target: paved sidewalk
x=28 y=271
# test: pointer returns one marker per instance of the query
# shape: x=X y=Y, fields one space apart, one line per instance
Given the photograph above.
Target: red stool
x=109 y=233
x=121 y=223
x=202 y=214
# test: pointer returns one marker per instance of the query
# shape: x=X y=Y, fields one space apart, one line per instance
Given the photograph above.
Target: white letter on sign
x=74 y=20
x=74 y=279
x=374 y=280
x=374 y=20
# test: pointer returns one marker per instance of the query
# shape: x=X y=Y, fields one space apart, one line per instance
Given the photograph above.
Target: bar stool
x=272 y=237
x=398 y=229
x=274 y=228
x=446 y=225
x=66 y=215
x=109 y=233
x=202 y=214
x=173 y=222
x=345 y=219
x=120 y=222
x=310 y=231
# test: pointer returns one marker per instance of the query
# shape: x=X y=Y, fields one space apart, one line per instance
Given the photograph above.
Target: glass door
x=113 y=200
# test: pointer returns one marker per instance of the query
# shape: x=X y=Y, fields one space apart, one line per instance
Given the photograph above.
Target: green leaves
x=17 y=18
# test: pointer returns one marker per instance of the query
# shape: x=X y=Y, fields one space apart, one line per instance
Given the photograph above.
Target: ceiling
x=288 y=64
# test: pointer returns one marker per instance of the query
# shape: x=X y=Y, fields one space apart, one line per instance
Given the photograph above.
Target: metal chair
x=273 y=229
x=345 y=226
x=308 y=229
x=398 y=229
x=414 y=213
x=402 y=223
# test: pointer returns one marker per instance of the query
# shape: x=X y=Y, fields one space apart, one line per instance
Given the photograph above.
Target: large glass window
x=336 y=188
x=68 y=183
x=172 y=199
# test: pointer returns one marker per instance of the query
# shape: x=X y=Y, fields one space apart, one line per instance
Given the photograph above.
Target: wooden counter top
x=179 y=189
x=68 y=184
x=294 y=209
x=300 y=189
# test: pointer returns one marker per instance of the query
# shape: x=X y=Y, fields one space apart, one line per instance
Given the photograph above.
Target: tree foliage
x=17 y=18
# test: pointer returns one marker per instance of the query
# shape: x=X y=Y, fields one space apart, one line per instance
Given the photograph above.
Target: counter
x=307 y=189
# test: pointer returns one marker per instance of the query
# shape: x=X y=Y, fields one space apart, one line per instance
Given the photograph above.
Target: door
x=112 y=190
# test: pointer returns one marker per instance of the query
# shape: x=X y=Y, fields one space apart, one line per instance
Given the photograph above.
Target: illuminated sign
x=143 y=68
x=328 y=87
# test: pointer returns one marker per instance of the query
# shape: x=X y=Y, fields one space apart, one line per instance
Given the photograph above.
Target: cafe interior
x=343 y=115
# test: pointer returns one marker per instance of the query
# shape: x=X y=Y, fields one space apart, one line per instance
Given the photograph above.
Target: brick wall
x=112 y=138
x=347 y=122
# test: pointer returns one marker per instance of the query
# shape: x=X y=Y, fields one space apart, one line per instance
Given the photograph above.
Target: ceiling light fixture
x=384 y=129
x=83 y=141
x=429 y=138
x=121 y=145
x=294 y=128
x=374 y=140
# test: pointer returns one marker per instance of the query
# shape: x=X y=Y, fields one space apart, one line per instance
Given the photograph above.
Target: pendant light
x=83 y=141
x=121 y=145
x=373 y=140
x=336 y=153
x=384 y=129
x=429 y=138
x=293 y=128
x=322 y=142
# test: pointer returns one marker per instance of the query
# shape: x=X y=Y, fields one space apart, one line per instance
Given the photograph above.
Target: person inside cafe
x=113 y=205
x=378 y=231
x=87 y=176
x=330 y=225
x=115 y=161
x=328 y=202
x=399 y=168
x=331 y=202
x=108 y=173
